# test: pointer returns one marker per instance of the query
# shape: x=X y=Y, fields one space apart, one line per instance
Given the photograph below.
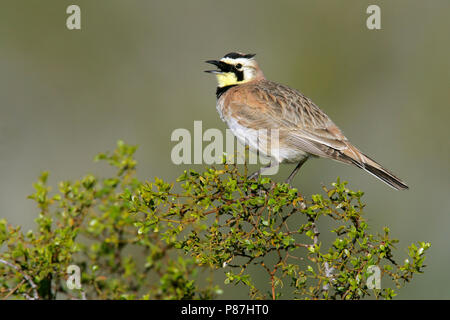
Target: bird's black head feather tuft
x=236 y=55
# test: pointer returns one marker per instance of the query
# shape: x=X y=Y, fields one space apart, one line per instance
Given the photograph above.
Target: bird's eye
x=238 y=66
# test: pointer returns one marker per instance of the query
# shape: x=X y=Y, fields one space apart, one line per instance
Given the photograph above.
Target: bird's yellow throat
x=226 y=79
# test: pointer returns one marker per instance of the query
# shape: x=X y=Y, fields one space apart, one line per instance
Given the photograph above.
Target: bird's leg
x=261 y=170
x=292 y=175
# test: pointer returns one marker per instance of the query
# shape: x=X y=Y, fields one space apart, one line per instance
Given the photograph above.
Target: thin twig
x=13 y=290
x=27 y=277
x=328 y=270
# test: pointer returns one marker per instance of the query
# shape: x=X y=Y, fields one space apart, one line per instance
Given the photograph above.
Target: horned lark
x=248 y=102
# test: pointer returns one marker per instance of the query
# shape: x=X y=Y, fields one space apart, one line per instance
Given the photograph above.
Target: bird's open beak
x=221 y=66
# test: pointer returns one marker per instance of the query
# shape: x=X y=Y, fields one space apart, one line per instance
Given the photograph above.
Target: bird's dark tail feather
x=386 y=177
x=376 y=170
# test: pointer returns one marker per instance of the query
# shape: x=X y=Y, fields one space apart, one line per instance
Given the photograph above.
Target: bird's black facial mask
x=222 y=66
x=227 y=74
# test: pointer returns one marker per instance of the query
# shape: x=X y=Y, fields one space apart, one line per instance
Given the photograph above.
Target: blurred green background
x=135 y=72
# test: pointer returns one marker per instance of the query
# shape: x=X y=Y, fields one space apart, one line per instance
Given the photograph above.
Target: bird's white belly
x=257 y=140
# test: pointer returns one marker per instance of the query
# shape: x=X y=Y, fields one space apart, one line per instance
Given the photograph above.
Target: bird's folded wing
x=300 y=127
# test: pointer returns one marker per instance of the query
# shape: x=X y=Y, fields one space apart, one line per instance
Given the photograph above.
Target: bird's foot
x=288 y=181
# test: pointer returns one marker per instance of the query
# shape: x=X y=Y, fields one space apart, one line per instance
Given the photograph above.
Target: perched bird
x=247 y=102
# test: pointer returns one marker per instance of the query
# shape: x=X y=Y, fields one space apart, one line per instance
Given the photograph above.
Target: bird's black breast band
x=221 y=90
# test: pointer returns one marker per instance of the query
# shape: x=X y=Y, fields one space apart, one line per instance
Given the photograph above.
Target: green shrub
x=159 y=240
